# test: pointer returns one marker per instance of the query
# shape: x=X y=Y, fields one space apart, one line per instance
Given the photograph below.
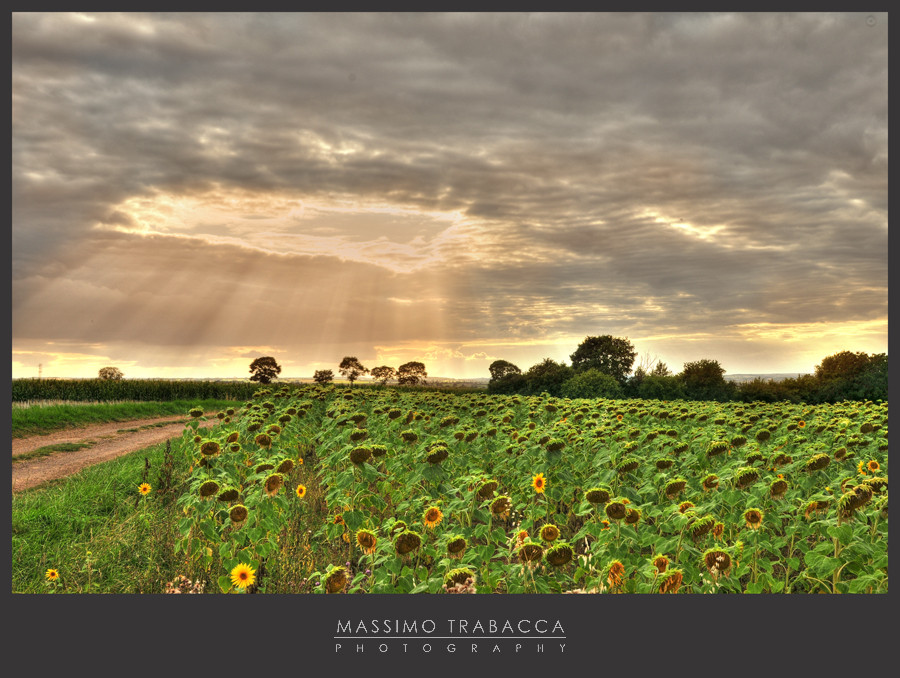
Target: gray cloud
x=640 y=174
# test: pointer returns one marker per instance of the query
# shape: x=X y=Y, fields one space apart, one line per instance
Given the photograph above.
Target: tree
x=352 y=369
x=704 y=380
x=610 y=355
x=501 y=368
x=411 y=373
x=548 y=375
x=110 y=374
x=845 y=364
x=384 y=374
x=264 y=369
x=323 y=376
x=591 y=384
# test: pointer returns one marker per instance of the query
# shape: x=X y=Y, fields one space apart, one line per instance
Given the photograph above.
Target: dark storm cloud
x=626 y=173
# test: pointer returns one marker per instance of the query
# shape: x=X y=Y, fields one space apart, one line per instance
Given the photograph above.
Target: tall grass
x=99 y=390
x=40 y=419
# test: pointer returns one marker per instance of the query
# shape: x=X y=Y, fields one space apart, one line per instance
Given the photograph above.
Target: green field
x=429 y=491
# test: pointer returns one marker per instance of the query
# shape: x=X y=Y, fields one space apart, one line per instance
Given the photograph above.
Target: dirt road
x=107 y=441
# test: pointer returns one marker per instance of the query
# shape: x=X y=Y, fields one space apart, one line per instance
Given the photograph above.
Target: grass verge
x=50 y=449
x=42 y=419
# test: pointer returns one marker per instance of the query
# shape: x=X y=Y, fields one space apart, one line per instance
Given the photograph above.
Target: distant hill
x=774 y=376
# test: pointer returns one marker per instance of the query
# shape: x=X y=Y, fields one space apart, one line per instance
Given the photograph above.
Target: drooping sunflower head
x=753 y=517
x=530 y=553
x=660 y=562
x=209 y=488
x=616 y=509
x=432 y=516
x=744 y=477
x=210 y=448
x=671 y=581
x=486 y=489
x=229 y=494
x=273 y=484
x=615 y=574
x=778 y=488
x=718 y=530
x=366 y=539
x=196 y=412
x=717 y=562
x=549 y=532
x=359 y=434
x=406 y=542
x=243 y=576
x=436 y=454
x=265 y=466
x=685 y=506
x=144 y=488
x=632 y=516
x=456 y=546
x=559 y=554
x=285 y=466
x=359 y=455
x=817 y=462
x=674 y=487
x=501 y=506
x=597 y=495
x=379 y=450
x=263 y=440
x=238 y=515
x=701 y=526
x=233 y=437
x=336 y=579
x=710 y=482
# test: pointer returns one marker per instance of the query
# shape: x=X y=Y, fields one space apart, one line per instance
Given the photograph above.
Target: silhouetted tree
x=548 y=375
x=323 y=376
x=502 y=368
x=591 y=384
x=384 y=374
x=110 y=373
x=411 y=373
x=610 y=355
x=264 y=370
x=352 y=369
x=704 y=380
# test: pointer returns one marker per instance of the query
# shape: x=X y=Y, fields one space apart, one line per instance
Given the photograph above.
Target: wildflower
x=144 y=488
x=243 y=576
x=301 y=491
x=754 y=518
x=538 y=483
x=432 y=517
x=52 y=575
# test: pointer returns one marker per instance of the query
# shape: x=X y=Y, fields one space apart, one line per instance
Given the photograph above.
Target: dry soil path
x=108 y=441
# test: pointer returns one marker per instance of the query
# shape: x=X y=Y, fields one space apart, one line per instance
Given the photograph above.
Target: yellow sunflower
x=301 y=491
x=243 y=576
x=52 y=575
x=432 y=516
x=873 y=465
x=539 y=483
x=144 y=488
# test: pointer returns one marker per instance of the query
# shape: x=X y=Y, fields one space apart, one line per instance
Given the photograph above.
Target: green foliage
x=610 y=355
x=548 y=376
x=323 y=376
x=411 y=374
x=591 y=383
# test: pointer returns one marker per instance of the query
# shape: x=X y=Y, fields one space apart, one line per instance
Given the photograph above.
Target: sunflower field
x=329 y=489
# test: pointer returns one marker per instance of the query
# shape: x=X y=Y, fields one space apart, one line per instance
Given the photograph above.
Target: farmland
x=415 y=492
x=316 y=489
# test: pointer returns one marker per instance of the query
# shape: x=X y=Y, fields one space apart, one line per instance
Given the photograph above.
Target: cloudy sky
x=192 y=191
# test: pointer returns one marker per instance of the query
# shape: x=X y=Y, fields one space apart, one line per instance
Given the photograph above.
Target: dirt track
x=106 y=443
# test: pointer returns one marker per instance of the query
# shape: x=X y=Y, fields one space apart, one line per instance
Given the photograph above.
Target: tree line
x=601 y=367
x=413 y=373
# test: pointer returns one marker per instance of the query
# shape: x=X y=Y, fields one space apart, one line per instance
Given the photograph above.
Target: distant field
x=106 y=391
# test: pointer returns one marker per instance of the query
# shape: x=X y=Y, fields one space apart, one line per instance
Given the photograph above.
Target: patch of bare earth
x=107 y=441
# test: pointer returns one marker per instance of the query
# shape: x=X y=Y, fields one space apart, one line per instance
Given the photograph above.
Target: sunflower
x=549 y=532
x=209 y=448
x=209 y=488
x=684 y=506
x=754 y=518
x=710 y=482
x=717 y=562
x=432 y=516
x=407 y=542
x=660 y=562
x=301 y=491
x=632 y=517
x=273 y=484
x=243 y=576
x=597 y=495
x=456 y=546
x=501 y=506
x=615 y=574
x=605 y=524
x=801 y=424
x=238 y=514
x=560 y=554
x=672 y=582
x=859 y=467
x=144 y=488
x=52 y=575
x=336 y=580
x=873 y=465
x=616 y=510
x=539 y=483
x=530 y=553
x=778 y=488
x=366 y=540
